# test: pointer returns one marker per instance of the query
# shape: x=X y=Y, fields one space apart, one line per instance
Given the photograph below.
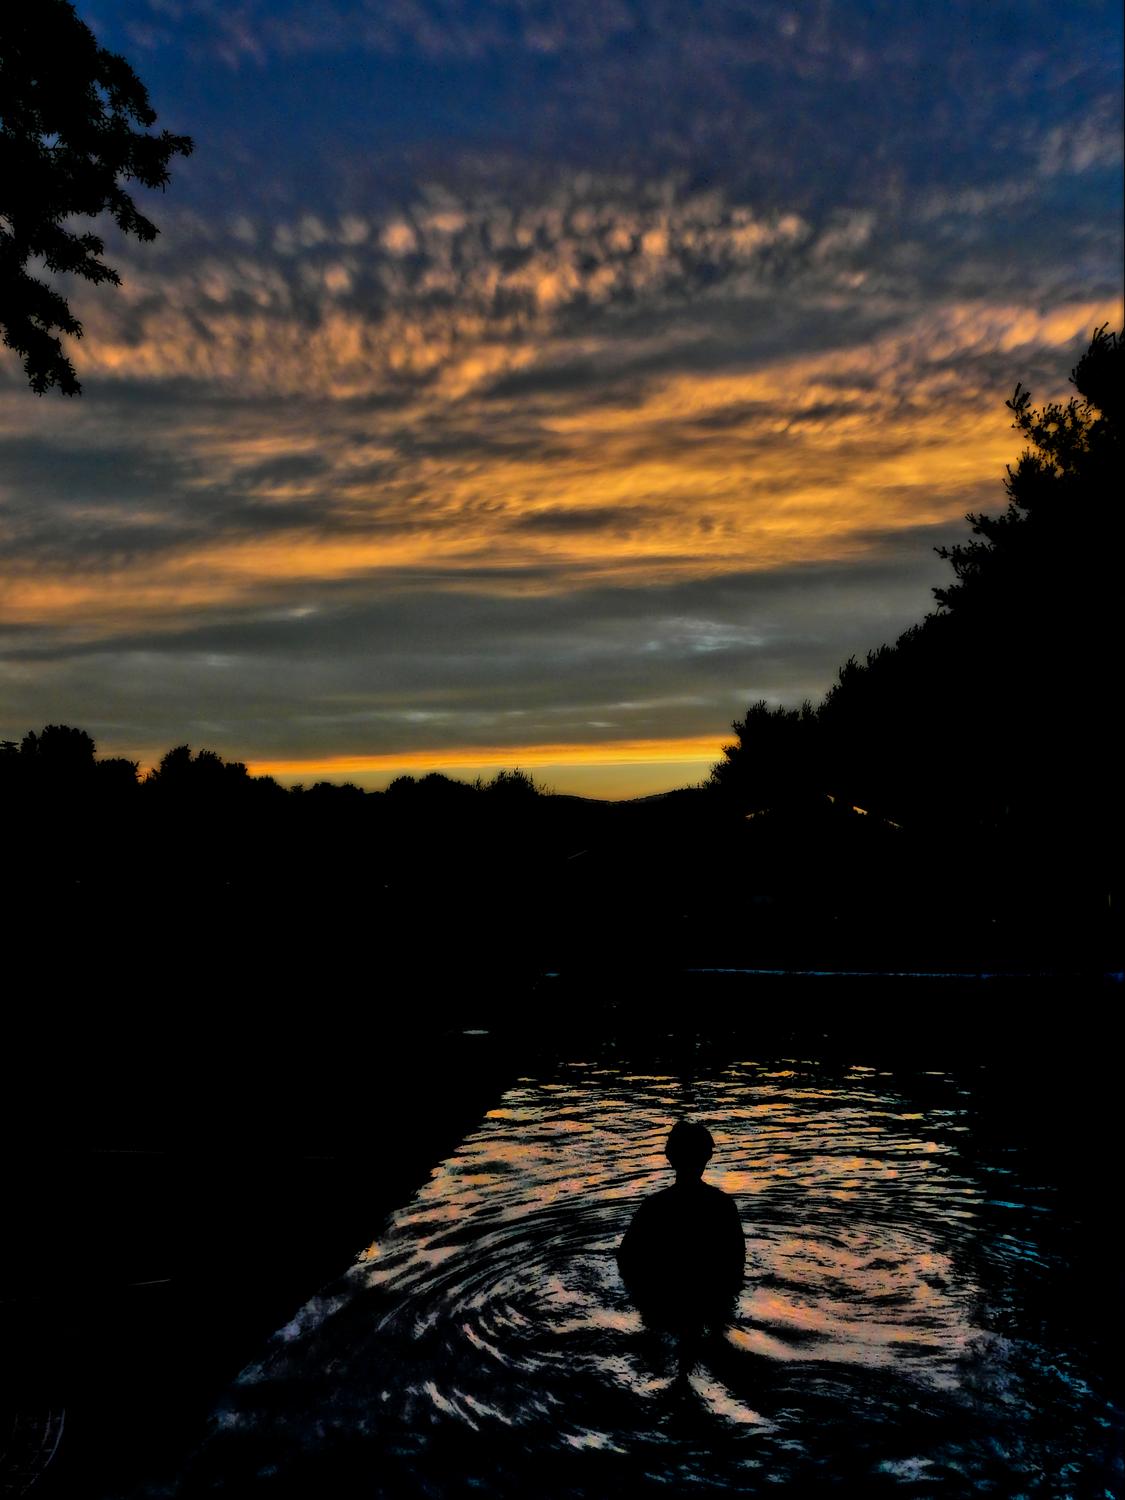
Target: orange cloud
x=810 y=459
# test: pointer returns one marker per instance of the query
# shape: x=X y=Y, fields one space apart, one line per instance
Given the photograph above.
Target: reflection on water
x=890 y=1333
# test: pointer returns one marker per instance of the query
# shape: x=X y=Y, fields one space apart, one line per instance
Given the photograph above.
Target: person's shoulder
x=648 y=1204
x=719 y=1201
x=657 y=1206
x=664 y=1198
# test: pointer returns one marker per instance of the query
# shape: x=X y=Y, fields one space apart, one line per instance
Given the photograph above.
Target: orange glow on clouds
x=458 y=431
x=811 y=459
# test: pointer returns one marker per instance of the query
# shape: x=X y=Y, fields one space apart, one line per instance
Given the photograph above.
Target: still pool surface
x=911 y=1320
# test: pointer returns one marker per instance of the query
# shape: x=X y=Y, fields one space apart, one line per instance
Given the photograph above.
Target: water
x=905 y=1326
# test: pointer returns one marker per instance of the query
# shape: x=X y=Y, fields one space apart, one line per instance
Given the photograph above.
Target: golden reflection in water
x=491 y=1304
x=836 y=1186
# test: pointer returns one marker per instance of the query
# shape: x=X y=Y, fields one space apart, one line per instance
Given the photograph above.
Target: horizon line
x=684 y=750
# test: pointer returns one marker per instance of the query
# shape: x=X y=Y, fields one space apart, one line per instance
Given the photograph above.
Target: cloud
x=802 y=452
x=623 y=520
x=421 y=428
x=450 y=294
x=346 y=671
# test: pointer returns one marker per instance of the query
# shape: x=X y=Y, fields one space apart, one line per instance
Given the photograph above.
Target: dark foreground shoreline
x=150 y=1264
x=179 y=1184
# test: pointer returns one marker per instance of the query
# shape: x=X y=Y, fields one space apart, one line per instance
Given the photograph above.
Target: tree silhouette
x=59 y=742
x=117 y=775
x=513 y=787
x=59 y=752
x=1063 y=494
x=204 y=776
x=992 y=716
x=774 y=758
x=69 y=112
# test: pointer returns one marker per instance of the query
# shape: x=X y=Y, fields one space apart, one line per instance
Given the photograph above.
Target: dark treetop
x=69 y=112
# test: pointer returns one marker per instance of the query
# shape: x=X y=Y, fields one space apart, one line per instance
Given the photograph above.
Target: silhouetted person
x=682 y=1258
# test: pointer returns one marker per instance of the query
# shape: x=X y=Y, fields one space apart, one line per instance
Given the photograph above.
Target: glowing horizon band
x=604 y=753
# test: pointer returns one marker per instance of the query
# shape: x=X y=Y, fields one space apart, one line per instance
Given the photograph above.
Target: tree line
x=61 y=760
x=200 y=819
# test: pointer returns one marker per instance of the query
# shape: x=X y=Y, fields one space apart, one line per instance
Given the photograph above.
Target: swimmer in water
x=684 y=1254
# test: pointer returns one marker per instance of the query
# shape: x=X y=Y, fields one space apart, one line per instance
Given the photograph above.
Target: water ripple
x=485 y=1344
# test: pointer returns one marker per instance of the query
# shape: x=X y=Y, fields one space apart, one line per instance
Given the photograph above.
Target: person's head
x=689 y=1148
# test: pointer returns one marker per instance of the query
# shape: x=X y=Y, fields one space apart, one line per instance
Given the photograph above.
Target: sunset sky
x=539 y=382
